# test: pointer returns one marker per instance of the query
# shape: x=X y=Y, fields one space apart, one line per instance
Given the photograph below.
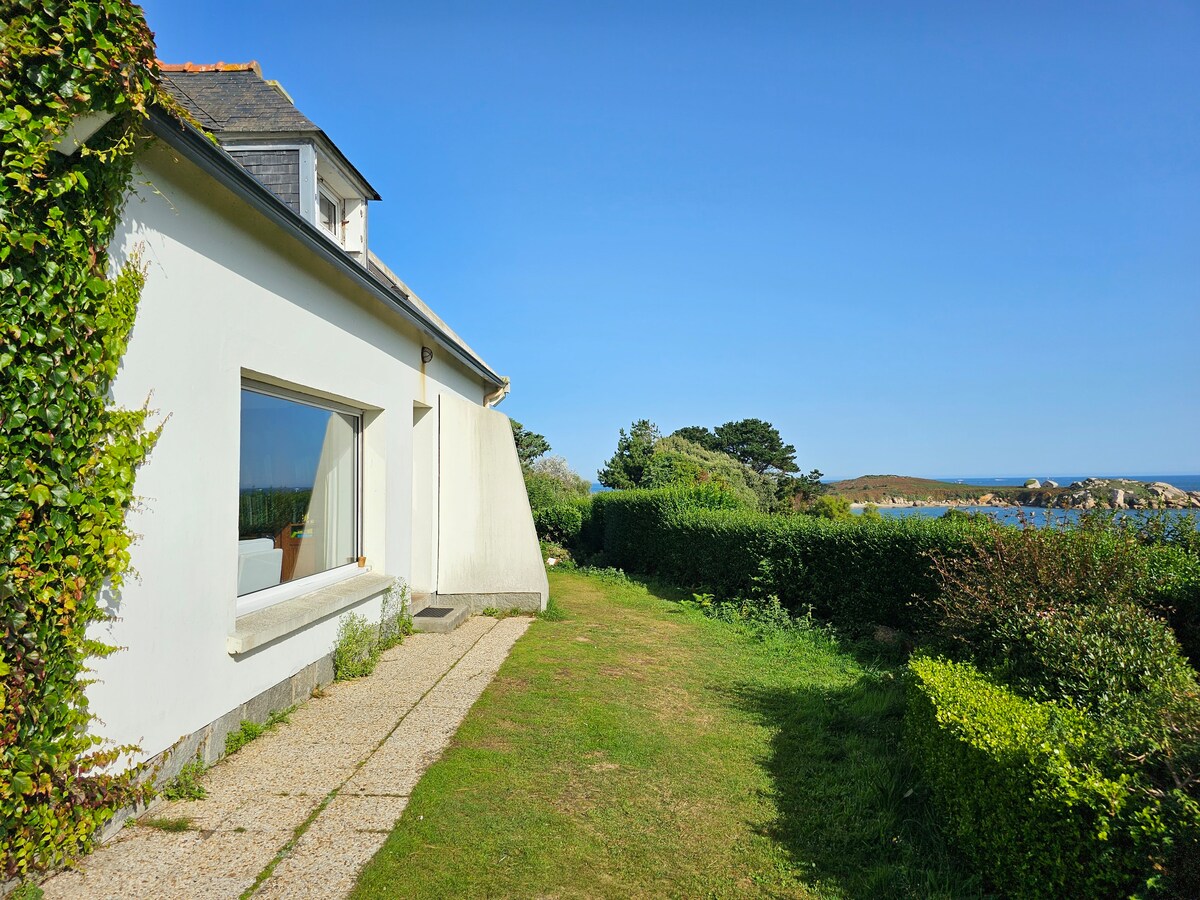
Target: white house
x=325 y=432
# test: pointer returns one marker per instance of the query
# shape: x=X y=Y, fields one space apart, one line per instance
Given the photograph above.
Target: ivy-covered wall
x=67 y=460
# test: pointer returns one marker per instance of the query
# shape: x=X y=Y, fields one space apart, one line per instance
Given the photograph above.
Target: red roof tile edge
x=251 y=66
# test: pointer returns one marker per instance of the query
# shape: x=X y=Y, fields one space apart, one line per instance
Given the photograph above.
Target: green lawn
x=639 y=749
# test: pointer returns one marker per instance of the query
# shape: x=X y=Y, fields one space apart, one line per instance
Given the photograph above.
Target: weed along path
x=298 y=811
x=637 y=748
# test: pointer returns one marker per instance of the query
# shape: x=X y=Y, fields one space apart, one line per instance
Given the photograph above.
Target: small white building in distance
x=326 y=433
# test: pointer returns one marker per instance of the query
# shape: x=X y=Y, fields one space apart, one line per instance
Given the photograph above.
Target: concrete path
x=297 y=812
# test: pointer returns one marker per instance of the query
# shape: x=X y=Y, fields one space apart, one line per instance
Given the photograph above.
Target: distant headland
x=1088 y=493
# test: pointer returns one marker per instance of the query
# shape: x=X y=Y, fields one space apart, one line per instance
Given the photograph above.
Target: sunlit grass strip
x=637 y=748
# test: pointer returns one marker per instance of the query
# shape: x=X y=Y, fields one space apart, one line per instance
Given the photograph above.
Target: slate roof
x=234 y=98
x=225 y=100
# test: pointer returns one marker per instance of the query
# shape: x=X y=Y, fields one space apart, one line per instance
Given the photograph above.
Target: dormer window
x=330 y=215
x=280 y=146
x=341 y=208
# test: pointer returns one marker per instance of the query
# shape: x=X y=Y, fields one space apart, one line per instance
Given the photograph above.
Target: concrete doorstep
x=439 y=619
x=299 y=810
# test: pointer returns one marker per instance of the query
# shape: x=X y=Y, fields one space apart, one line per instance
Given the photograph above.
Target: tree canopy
x=680 y=461
x=698 y=435
x=628 y=465
x=746 y=458
x=530 y=444
x=796 y=492
x=758 y=445
x=752 y=442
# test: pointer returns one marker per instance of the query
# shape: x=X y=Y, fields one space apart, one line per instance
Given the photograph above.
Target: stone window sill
x=256 y=629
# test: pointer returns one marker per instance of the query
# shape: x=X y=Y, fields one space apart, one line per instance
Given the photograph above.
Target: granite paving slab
x=298 y=811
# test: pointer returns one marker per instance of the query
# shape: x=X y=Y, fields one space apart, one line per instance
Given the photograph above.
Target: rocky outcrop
x=1123 y=493
x=1090 y=493
x=984 y=500
x=1169 y=494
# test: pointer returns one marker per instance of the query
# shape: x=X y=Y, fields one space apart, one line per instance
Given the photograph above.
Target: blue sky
x=925 y=238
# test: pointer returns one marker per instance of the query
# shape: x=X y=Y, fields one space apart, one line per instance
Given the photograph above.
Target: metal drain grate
x=434 y=612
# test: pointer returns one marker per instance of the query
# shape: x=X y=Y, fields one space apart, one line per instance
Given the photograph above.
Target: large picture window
x=298 y=503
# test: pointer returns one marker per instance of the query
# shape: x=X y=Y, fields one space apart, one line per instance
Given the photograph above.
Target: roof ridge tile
x=189 y=66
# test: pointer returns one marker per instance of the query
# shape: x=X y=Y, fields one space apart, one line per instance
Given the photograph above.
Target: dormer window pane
x=330 y=220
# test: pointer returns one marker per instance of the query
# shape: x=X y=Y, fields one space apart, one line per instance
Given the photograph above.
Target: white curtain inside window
x=329 y=535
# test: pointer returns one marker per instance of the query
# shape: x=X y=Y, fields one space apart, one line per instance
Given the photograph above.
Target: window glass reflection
x=297 y=507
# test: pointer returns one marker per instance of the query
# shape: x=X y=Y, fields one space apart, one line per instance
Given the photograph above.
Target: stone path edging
x=297 y=812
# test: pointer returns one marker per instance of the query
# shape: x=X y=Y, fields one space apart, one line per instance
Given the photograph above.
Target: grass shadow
x=852 y=815
x=851 y=812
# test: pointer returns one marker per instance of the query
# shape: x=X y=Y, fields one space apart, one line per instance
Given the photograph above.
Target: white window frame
x=256 y=600
x=339 y=215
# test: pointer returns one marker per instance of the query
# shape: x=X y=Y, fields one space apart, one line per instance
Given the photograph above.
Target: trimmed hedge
x=1025 y=788
x=559 y=523
x=857 y=573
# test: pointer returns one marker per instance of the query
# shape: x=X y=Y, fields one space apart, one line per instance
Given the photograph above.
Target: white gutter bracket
x=493 y=399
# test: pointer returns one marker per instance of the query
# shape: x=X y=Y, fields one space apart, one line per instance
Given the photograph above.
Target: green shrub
x=678 y=462
x=27 y=890
x=246 y=732
x=829 y=506
x=563 y=558
x=559 y=523
x=1164 y=529
x=359 y=643
x=606 y=574
x=1175 y=574
x=1163 y=746
x=356 y=650
x=395 y=619
x=186 y=785
x=1065 y=615
x=1102 y=658
x=551 y=482
x=760 y=617
x=1025 y=799
x=631 y=527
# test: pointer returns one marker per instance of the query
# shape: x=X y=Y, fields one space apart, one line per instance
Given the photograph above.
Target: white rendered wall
x=230 y=295
x=487 y=542
x=425 y=488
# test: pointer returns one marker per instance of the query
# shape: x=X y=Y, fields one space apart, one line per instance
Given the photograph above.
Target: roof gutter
x=494 y=399
x=209 y=157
